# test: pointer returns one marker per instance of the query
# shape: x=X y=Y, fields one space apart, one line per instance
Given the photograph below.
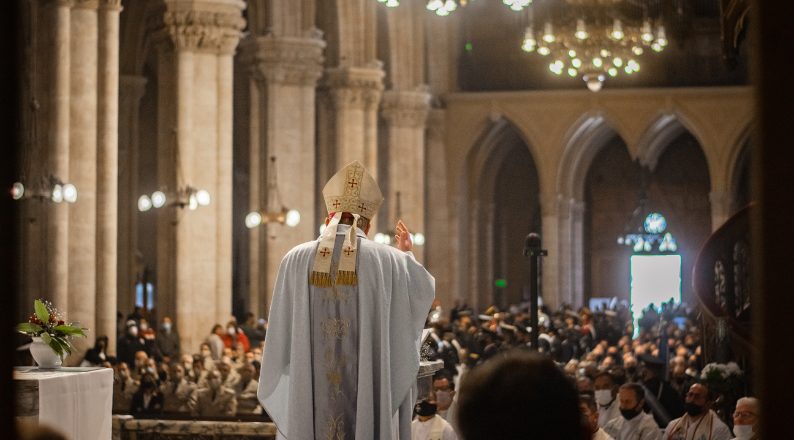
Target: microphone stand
x=532 y=249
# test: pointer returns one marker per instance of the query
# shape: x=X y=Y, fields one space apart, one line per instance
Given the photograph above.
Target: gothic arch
x=586 y=137
x=738 y=168
x=138 y=20
x=660 y=133
x=478 y=185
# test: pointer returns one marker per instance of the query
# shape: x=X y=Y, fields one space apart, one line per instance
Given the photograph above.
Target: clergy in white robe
x=342 y=347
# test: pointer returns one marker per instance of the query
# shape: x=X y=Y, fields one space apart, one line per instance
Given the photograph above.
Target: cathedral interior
x=170 y=152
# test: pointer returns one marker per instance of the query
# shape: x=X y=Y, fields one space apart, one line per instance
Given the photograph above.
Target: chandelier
x=594 y=39
x=276 y=212
x=49 y=188
x=186 y=197
x=445 y=7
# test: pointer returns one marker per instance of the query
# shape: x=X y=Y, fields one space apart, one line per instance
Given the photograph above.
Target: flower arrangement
x=715 y=372
x=48 y=324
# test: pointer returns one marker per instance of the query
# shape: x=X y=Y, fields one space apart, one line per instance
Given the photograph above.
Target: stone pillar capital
x=215 y=28
x=85 y=4
x=405 y=108
x=284 y=60
x=59 y=3
x=355 y=87
x=111 y=5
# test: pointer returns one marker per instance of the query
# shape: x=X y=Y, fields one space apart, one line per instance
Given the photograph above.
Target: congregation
x=643 y=384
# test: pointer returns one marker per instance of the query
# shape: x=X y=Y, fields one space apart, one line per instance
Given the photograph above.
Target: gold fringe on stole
x=320 y=279
x=346 y=277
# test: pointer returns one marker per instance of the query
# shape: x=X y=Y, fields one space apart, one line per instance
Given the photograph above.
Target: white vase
x=43 y=354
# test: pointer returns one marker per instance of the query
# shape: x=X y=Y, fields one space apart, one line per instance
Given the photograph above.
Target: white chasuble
x=341 y=361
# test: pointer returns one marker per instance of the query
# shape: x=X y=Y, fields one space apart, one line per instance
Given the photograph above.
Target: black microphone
x=531 y=244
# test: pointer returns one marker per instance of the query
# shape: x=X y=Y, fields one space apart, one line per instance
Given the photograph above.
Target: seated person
x=213 y=401
x=428 y=424
x=520 y=395
x=148 y=399
x=124 y=387
x=177 y=390
x=245 y=390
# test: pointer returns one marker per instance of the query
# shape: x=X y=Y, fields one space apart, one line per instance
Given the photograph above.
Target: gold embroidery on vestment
x=336 y=428
x=336 y=328
x=333 y=372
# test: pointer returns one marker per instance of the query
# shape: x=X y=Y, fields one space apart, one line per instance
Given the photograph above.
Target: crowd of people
x=153 y=376
x=643 y=384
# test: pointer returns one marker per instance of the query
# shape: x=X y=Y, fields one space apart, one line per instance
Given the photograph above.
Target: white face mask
x=231 y=331
x=603 y=397
x=167 y=326
x=443 y=399
x=743 y=431
x=133 y=331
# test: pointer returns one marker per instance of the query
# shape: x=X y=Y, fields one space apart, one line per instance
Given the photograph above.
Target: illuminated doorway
x=654 y=279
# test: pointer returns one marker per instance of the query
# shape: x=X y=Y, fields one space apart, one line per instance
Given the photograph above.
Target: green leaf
x=28 y=328
x=56 y=347
x=70 y=330
x=49 y=341
x=41 y=311
x=65 y=347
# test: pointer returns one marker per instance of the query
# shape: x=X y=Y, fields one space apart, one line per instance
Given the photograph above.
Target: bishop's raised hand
x=403 y=237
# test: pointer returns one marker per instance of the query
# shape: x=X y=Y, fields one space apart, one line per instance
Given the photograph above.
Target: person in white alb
x=428 y=424
x=606 y=396
x=699 y=422
x=342 y=345
x=633 y=423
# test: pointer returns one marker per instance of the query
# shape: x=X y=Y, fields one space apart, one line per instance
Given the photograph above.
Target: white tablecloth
x=76 y=401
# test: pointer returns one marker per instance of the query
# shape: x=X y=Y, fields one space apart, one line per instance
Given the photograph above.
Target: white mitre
x=352 y=189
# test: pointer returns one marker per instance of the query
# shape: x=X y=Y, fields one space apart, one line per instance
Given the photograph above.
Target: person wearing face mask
x=215 y=400
x=746 y=419
x=633 y=423
x=444 y=388
x=235 y=337
x=606 y=393
x=148 y=399
x=167 y=340
x=664 y=400
x=124 y=387
x=428 y=425
x=177 y=390
x=130 y=344
x=699 y=422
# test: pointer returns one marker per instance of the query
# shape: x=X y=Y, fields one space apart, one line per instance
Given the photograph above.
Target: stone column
x=83 y=169
x=571 y=252
x=549 y=239
x=285 y=70
x=131 y=90
x=107 y=171
x=576 y=215
x=195 y=150
x=58 y=153
x=721 y=203
x=355 y=93
x=440 y=247
x=405 y=113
